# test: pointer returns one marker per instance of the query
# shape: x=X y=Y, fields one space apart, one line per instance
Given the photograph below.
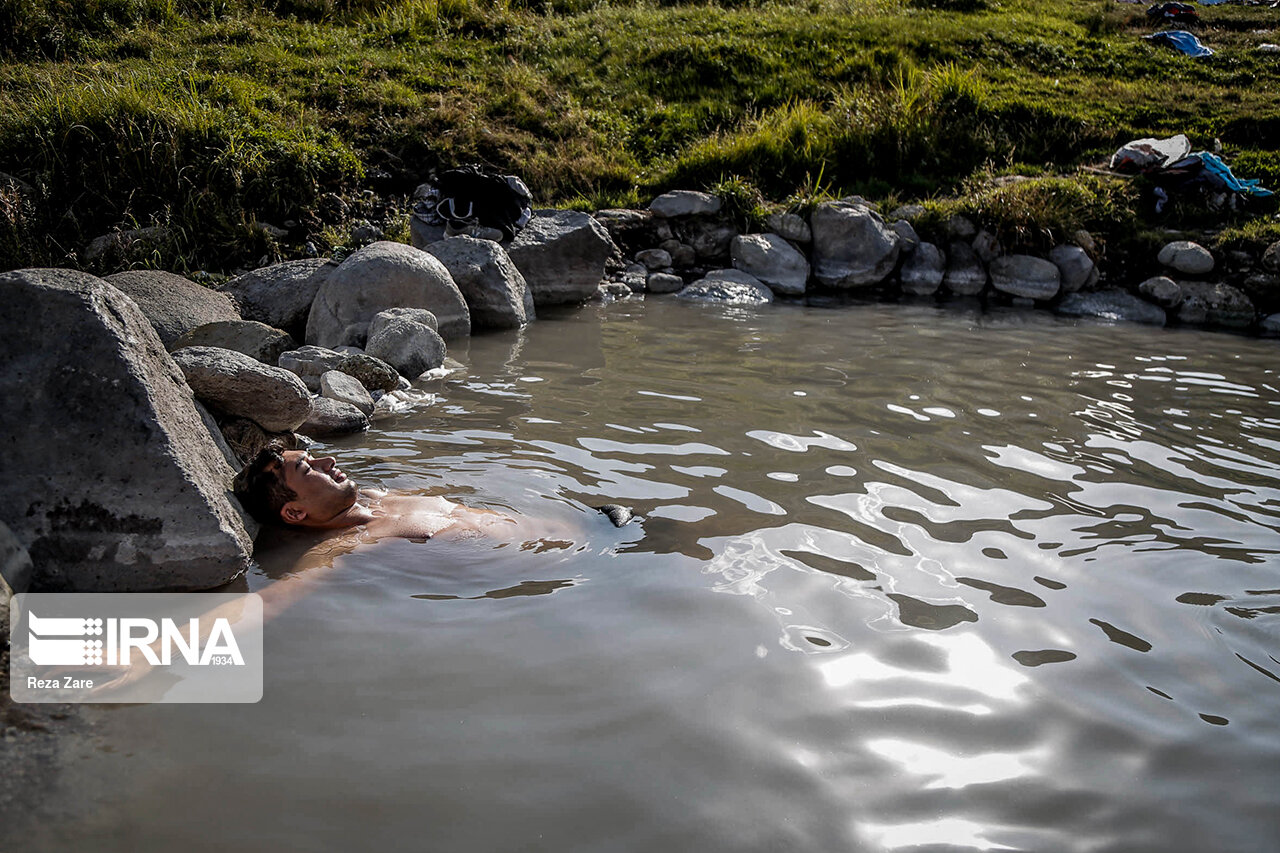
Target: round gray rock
x=1111 y=305
x=1186 y=257
x=254 y=339
x=562 y=256
x=1076 y=269
x=280 y=295
x=772 y=260
x=495 y=290
x=851 y=245
x=329 y=418
x=409 y=347
x=234 y=384
x=112 y=479
x=653 y=259
x=1161 y=290
x=339 y=386
x=172 y=304
x=662 y=282
x=732 y=287
x=922 y=270
x=417 y=315
x=1025 y=276
x=1271 y=257
x=684 y=203
x=385 y=275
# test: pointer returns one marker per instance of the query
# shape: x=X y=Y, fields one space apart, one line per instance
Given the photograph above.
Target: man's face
x=323 y=491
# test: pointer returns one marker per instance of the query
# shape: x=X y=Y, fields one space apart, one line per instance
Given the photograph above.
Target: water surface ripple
x=908 y=579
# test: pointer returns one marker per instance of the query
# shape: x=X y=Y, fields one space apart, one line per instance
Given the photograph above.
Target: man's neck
x=352 y=516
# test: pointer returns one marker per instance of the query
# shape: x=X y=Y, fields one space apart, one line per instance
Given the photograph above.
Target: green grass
x=208 y=116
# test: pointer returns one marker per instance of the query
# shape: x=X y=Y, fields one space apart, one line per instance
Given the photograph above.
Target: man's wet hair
x=261 y=488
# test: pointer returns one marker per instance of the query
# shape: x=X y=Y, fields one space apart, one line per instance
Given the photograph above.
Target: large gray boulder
x=1111 y=305
x=922 y=270
x=772 y=260
x=235 y=385
x=172 y=304
x=1076 y=269
x=15 y=575
x=562 y=255
x=1186 y=257
x=384 y=275
x=254 y=339
x=1026 y=276
x=965 y=275
x=496 y=292
x=112 y=480
x=731 y=287
x=409 y=347
x=280 y=295
x=852 y=247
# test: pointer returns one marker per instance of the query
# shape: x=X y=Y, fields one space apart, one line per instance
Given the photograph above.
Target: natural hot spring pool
x=909 y=579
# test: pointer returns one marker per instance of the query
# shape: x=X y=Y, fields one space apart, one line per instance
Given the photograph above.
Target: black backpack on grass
x=470 y=196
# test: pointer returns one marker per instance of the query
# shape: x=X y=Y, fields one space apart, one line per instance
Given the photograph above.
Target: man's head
x=292 y=487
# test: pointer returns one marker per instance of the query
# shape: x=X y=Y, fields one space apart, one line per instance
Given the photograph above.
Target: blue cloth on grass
x=1181 y=41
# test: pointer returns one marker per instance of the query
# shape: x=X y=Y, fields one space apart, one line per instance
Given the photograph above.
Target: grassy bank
x=211 y=117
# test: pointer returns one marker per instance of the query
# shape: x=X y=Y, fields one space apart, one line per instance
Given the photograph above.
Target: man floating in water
x=297 y=489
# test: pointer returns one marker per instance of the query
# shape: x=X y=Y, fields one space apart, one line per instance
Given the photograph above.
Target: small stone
x=906 y=235
x=1270 y=326
x=1161 y=290
x=661 y=282
x=654 y=259
x=922 y=271
x=772 y=260
x=417 y=315
x=907 y=211
x=965 y=276
x=337 y=385
x=1085 y=241
x=1186 y=257
x=986 y=246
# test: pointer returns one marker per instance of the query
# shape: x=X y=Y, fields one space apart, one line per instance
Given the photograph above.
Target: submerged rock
x=112 y=480
x=732 y=287
x=1111 y=305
